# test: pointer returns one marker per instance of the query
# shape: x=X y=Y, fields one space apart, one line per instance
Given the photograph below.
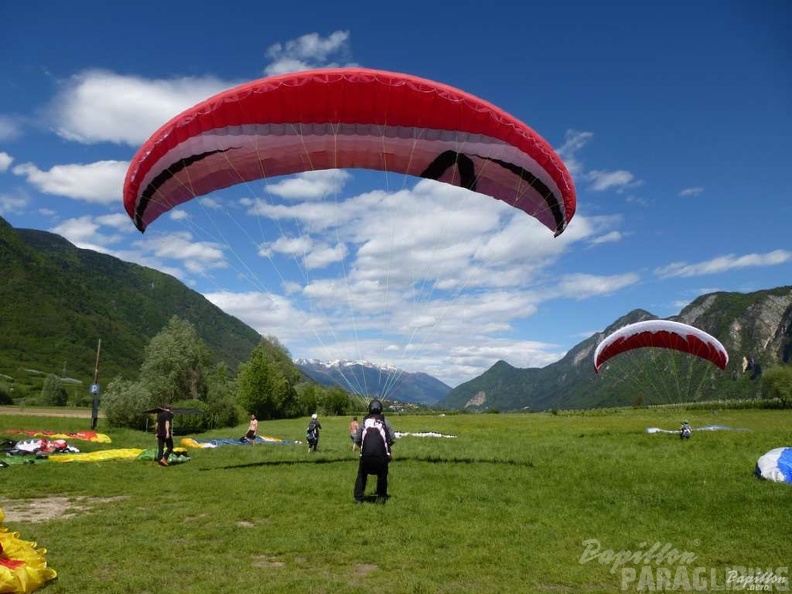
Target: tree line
x=177 y=369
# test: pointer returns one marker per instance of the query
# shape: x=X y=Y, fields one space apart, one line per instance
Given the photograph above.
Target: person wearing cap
x=312 y=434
x=164 y=434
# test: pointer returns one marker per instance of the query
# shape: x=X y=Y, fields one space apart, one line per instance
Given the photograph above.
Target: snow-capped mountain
x=371 y=379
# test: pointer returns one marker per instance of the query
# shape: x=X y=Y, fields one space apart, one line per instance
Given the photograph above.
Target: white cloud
x=433 y=238
x=520 y=353
x=574 y=142
x=5 y=161
x=309 y=51
x=99 y=183
x=639 y=200
x=611 y=237
x=101 y=106
x=76 y=230
x=691 y=191
x=598 y=180
x=209 y=202
x=607 y=180
x=311 y=185
x=291 y=246
x=9 y=128
x=268 y=313
x=197 y=256
x=724 y=264
x=84 y=233
x=295 y=246
x=323 y=256
x=584 y=286
x=589 y=229
x=12 y=204
x=120 y=221
x=412 y=338
x=312 y=254
x=178 y=215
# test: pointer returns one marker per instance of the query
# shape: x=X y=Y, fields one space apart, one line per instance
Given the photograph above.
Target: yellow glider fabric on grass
x=100 y=456
x=23 y=567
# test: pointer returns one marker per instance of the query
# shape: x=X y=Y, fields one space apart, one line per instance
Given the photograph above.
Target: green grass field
x=506 y=506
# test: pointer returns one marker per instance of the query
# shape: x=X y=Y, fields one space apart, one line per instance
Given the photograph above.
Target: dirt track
x=78 y=413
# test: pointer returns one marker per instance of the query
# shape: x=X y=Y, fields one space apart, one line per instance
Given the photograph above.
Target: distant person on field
x=375 y=437
x=252 y=430
x=164 y=434
x=312 y=433
x=685 y=430
x=353 y=429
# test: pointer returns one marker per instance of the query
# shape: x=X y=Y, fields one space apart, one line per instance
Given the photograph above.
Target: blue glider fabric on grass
x=776 y=465
x=189 y=442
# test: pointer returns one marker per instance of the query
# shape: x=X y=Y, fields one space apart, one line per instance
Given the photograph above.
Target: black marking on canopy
x=538 y=185
x=467 y=174
x=447 y=159
x=161 y=179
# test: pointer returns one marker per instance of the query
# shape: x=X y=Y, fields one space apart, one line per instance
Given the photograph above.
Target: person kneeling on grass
x=252 y=431
x=685 y=430
x=164 y=435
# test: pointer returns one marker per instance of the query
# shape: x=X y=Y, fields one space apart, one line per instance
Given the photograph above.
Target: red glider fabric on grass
x=92 y=436
x=348 y=118
x=661 y=334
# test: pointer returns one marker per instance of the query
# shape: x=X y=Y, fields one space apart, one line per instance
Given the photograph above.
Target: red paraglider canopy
x=661 y=334
x=348 y=118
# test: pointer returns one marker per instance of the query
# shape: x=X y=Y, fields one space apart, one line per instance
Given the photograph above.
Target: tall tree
x=221 y=397
x=176 y=364
x=266 y=382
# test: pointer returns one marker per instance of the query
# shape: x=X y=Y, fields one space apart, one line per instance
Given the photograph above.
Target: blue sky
x=674 y=119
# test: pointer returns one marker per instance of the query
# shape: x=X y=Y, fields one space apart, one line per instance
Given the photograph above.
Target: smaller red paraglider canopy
x=661 y=334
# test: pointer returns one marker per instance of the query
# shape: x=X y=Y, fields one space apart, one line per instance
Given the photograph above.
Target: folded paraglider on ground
x=776 y=465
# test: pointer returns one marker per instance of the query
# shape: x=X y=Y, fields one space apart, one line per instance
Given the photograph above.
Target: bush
x=191 y=423
x=80 y=397
x=124 y=402
x=52 y=392
x=777 y=384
